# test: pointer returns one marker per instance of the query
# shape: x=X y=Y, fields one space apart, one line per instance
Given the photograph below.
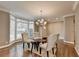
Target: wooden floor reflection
x=66 y=50
x=16 y=50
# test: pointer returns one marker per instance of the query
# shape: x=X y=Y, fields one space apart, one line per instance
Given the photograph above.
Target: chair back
x=25 y=37
x=36 y=35
x=52 y=39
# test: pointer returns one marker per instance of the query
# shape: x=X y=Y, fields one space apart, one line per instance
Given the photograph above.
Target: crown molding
x=4 y=10
x=71 y=14
x=75 y=5
x=73 y=9
x=17 y=16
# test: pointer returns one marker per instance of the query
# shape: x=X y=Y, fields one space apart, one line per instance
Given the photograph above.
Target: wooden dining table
x=37 y=41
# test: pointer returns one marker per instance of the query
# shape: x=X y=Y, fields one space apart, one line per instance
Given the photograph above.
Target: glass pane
x=22 y=26
x=31 y=29
x=12 y=28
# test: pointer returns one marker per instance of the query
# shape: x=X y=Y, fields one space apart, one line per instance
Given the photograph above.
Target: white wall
x=4 y=28
x=77 y=29
x=69 y=28
x=56 y=27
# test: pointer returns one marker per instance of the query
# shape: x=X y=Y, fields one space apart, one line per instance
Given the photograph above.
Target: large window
x=22 y=26
x=18 y=26
x=12 y=28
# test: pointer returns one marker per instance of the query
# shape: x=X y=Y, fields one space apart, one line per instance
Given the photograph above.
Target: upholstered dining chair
x=36 y=34
x=26 y=39
x=50 y=45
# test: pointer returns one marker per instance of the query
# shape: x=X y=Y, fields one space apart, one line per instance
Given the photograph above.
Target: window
x=12 y=28
x=31 y=28
x=22 y=26
x=18 y=26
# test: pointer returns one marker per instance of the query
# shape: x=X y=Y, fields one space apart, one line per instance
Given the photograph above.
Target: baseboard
x=9 y=44
x=69 y=42
x=76 y=50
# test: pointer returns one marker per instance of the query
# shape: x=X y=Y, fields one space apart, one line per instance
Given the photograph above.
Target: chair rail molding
x=10 y=44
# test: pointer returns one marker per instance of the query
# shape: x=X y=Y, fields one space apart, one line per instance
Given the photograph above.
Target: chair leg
x=28 y=45
x=56 y=50
x=53 y=50
x=37 y=45
x=32 y=47
x=47 y=54
x=40 y=50
x=23 y=45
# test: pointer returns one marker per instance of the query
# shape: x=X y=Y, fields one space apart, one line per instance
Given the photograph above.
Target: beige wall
x=69 y=28
x=56 y=27
x=77 y=29
x=4 y=28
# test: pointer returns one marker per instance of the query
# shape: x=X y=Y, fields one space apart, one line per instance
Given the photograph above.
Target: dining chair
x=50 y=45
x=36 y=35
x=26 y=39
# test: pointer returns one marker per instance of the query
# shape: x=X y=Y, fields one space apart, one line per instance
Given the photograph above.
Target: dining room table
x=37 y=41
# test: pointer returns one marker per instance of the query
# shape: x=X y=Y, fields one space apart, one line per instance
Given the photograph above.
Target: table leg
x=37 y=45
x=32 y=47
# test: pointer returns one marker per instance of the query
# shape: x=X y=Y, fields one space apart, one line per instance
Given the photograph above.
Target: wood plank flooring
x=65 y=50
x=16 y=50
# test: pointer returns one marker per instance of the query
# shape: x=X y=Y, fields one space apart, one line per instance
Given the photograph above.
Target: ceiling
x=31 y=9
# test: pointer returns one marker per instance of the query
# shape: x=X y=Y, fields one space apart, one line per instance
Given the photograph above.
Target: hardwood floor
x=65 y=50
x=16 y=50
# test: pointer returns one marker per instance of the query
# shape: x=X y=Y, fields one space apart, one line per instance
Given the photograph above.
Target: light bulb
x=37 y=23
x=45 y=23
x=44 y=27
x=38 y=20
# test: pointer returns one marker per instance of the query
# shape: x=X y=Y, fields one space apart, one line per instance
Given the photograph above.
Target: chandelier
x=41 y=22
